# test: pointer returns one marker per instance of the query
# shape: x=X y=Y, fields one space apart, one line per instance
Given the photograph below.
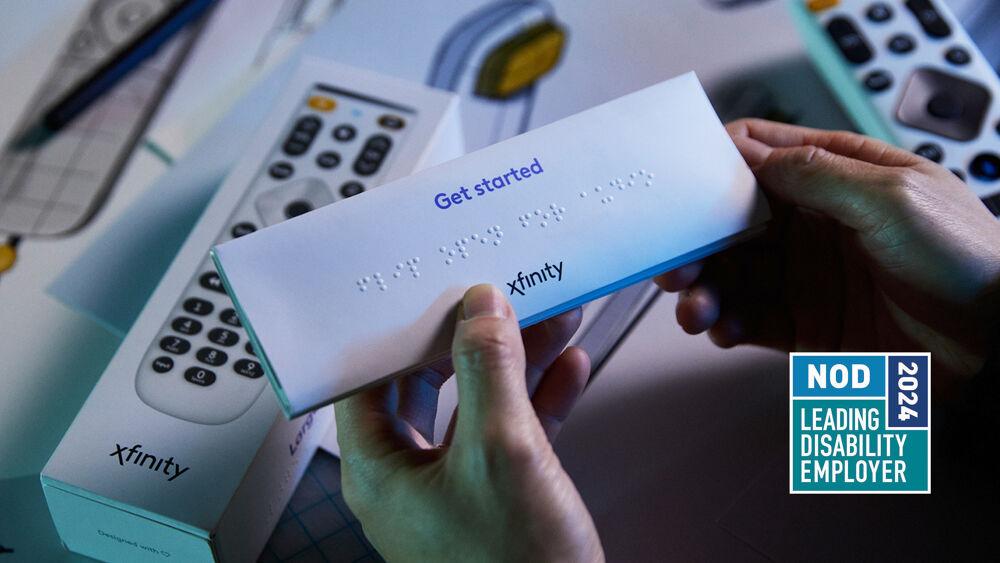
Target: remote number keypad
x=191 y=344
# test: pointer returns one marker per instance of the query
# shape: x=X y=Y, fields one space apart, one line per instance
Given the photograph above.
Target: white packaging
x=557 y=217
x=164 y=466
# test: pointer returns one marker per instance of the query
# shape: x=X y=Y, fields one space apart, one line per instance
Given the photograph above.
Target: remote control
x=908 y=73
x=337 y=133
x=555 y=217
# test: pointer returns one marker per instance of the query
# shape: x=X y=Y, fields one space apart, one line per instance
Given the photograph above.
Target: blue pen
x=108 y=74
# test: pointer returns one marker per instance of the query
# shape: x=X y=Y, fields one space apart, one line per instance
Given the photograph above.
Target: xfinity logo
x=134 y=456
x=546 y=273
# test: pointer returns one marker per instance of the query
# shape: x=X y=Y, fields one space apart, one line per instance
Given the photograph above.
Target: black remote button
x=391 y=121
x=930 y=151
x=174 y=345
x=344 y=133
x=230 y=317
x=372 y=154
x=930 y=19
x=301 y=137
x=986 y=167
x=242 y=229
x=957 y=56
x=249 y=349
x=328 y=159
x=878 y=80
x=381 y=143
x=186 y=325
x=901 y=43
x=958 y=173
x=848 y=38
x=280 y=170
x=294 y=148
x=993 y=204
x=198 y=307
x=223 y=337
x=297 y=207
x=211 y=356
x=364 y=167
x=308 y=124
x=943 y=105
x=351 y=189
x=879 y=12
x=248 y=368
x=199 y=376
x=163 y=364
x=211 y=281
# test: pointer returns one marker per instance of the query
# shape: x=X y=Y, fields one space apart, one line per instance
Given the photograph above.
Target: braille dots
x=412 y=264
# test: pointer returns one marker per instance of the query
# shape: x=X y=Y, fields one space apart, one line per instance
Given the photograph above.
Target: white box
x=157 y=468
x=558 y=216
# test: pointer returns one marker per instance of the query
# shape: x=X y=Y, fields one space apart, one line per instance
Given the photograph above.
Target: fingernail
x=484 y=301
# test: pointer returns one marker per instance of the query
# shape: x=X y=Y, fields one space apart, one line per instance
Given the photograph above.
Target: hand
x=871 y=249
x=495 y=489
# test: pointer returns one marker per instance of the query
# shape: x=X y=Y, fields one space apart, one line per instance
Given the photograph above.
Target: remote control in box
x=328 y=141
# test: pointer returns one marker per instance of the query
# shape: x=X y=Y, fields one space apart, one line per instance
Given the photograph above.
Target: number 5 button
x=223 y=337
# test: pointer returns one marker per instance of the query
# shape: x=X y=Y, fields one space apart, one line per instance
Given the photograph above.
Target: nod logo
x=859 y=423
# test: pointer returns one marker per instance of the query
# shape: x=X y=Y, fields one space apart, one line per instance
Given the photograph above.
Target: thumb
x=489 y=360
x=853 y=192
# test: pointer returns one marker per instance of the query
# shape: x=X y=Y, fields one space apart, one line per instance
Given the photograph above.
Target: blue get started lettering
x=487 y=186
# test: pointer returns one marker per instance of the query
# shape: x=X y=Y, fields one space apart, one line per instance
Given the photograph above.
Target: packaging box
x=555 y=217
x=160 y=465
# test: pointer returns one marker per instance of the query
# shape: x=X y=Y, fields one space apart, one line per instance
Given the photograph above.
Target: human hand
x=494 y=490
x=871 y=248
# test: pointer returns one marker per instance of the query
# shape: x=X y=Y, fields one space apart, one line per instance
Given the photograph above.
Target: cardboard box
x=161 y=466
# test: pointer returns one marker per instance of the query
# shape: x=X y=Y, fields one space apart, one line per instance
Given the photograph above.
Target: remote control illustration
x=908 y=73
x=336 y=144
x=54 y=189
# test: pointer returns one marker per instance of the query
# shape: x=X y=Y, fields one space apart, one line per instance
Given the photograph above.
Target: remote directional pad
x=944 y=104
